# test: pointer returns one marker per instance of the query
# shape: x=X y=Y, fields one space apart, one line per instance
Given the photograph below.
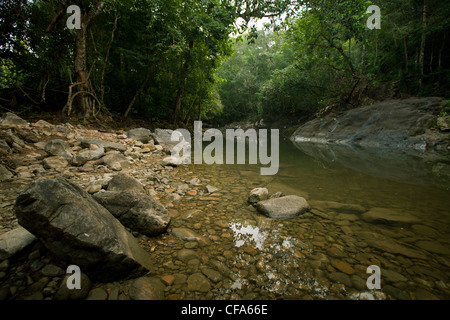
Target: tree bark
x=84 y=102
x=405 y=48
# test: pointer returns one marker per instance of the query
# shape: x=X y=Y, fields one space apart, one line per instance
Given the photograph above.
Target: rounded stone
x=146 y=288
x=97 y=294
x=198 y=282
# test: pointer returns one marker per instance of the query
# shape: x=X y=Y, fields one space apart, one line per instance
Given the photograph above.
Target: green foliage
x=174 y=60
x=328 y=51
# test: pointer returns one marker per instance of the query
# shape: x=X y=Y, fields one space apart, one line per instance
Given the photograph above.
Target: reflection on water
x=402 y=167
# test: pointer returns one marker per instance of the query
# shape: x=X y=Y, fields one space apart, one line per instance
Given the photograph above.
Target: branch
x=59 y=15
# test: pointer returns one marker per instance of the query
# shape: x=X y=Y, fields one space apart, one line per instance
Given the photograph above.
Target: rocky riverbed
x=216 y=246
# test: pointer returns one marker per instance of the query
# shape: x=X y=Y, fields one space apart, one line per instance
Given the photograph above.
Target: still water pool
x=368 y=207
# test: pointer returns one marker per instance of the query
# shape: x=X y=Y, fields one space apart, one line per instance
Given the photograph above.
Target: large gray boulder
x=136 y=211
x=59 y=148
x=396 y=124
x=140 y=134
x=80 y=231
x=283 y=207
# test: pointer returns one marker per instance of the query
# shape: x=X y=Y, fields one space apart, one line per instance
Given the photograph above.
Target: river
x=323 y=254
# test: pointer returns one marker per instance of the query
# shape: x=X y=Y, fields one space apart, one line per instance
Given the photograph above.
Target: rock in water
x=257 y=195
x=383 y=215
x=283 y=207
x=77 y=229
x=146 y=288
x=136 y=211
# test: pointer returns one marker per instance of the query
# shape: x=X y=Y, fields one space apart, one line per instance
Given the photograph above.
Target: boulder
x=140 y=134
x=55 y=162
x=443 y=123
x=136 y=211
x=14 y=241
x=172 y=161
x=257 y=195
x=59 y=148
x=396 y=124
x=115 y=161
x=283 y=207
x=42 y=124
x=108 y=146
x=4 y=147
x=383 y=215
x=123 y=182
x=11 y=120
x=5 y=174
x=163 y=137
x=89 y=155
x=78 y=230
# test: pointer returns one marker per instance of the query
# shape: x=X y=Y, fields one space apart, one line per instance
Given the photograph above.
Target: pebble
x=343 y=267
x=97 y=294
x=51 y=270
x=168 y=280
x=198 y=282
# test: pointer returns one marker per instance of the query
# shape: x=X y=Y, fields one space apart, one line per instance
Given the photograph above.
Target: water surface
x=323 y=254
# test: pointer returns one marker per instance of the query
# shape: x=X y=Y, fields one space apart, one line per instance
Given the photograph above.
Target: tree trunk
x=423 y=43
x=80 y=66
x=84 y=101
x=405 y=48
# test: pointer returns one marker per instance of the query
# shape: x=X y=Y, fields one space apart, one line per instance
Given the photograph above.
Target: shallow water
x=323 y=254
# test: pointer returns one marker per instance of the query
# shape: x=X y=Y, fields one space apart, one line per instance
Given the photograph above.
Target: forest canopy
x=180 y=61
